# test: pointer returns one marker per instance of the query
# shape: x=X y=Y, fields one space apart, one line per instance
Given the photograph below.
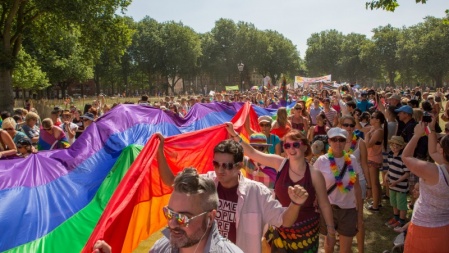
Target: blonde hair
x=9 y=123
x=30 y=116
x=47 y=123
x=417 y=114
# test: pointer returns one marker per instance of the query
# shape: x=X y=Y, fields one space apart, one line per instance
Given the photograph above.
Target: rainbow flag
x=106 y=186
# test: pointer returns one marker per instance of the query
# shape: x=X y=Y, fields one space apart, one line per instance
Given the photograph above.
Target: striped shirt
x=396 y=170
x=330 y=116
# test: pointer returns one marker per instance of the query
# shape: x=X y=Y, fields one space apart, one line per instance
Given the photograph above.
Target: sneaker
x=372 y=209
x=395 y=225
x=390 y=222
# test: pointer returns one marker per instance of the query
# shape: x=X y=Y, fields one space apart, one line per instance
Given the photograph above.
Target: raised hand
x=298 y=195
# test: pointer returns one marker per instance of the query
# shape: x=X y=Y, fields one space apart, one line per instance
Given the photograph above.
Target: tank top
x=432 y=207
x=281 y=191
x=298 y=126
x=320 y=130
x=375 y=153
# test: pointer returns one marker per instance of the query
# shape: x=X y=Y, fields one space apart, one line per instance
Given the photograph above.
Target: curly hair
x=230 y=147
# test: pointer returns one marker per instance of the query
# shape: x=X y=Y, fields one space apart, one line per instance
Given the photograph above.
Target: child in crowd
x=397 y=180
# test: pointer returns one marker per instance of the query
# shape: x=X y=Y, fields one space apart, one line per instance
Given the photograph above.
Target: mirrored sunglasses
x=288 y=145
x=181 y=219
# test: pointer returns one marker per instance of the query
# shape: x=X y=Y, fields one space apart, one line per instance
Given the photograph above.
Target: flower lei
x=334 y=169
x=353 y=144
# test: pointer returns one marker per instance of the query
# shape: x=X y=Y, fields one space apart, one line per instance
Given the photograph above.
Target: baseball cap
x=88 y=115
x=406 y=109
x=267 y=119
x=336 y=131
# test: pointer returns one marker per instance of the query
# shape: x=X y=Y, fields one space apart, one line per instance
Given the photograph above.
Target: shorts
x=374 y=165
x=345 y=221
x=363 y=187
x=398 y=200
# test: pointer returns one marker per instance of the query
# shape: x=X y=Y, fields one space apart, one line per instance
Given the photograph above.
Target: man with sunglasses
x=245 y=206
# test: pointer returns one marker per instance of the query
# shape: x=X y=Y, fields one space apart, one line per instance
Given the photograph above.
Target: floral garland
x=336 y=172
x=353 y=144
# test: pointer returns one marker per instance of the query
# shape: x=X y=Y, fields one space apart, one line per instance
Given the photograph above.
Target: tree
x=389 y=5
x=429 y=49
x=180 y=50
x=386 y=47
x=353 y=68
x=323 y=53
x=91 y=16
x=28 y=74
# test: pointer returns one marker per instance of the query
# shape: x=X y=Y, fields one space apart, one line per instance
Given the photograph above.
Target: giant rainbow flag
x=106 y=185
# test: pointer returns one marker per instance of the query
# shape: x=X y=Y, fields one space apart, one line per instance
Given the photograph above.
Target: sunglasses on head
x=181 y=219
x=265 y=125
x=335 y=139
x=348 y=125
x=288 y=145
x=227 y=166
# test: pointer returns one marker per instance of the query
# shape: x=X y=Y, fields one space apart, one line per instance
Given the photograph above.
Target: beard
x=180 y=239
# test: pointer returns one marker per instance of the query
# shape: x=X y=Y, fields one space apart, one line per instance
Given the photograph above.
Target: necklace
x=296 y=173
x=334 y=169
x=353 y=144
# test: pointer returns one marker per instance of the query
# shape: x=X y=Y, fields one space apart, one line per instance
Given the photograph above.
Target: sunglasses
x=47 y=129
x=341 y=140
x=288 y=145
x=181 y=219
x=260 y=148
x=8 y=129
x=265 y=125
x=226 y=166
x=86 y=119
x=348 y=125
x=298 y=108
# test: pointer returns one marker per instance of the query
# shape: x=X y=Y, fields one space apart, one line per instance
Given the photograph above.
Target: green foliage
x=28 y=73
x=388 y=5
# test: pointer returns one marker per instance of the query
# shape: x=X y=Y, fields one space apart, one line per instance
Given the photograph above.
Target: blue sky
x=295 y=19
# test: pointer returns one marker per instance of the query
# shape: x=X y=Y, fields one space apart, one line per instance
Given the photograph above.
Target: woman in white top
x=429 y=227
x=357 y=147
x=343 y=190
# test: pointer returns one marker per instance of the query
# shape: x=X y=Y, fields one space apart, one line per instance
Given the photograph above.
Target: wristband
x=293 y=202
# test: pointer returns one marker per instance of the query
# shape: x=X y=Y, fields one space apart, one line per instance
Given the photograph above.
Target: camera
x=426 y=117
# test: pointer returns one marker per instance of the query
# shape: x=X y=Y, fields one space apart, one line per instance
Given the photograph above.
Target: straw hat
x=397 y=140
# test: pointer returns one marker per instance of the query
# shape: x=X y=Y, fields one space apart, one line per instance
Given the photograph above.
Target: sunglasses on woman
x=181 y=219
x=341 y=140
x=226 y=166
x=348 y=125
x=288 y=145
x=265 y=125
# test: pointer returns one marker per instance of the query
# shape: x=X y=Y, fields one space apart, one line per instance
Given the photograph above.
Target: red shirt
x=227 y=208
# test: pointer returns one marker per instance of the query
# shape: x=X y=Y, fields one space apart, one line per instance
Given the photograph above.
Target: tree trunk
x=6 y=92
x=439 y=81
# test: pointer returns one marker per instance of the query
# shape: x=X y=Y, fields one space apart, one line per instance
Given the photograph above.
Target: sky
x=295 y=19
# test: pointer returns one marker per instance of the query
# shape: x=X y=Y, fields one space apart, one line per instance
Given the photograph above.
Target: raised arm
x=270 y=160
x=432 y=144
x=164 y=170
x=425 y=170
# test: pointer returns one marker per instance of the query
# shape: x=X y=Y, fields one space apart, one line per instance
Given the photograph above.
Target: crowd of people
x=327 y=155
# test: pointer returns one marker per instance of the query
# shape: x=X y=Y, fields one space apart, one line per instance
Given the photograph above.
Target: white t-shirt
x=343 y=200
x=74 y=128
